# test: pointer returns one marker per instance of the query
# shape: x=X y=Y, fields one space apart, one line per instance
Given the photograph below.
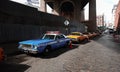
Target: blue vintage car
x=49 y=42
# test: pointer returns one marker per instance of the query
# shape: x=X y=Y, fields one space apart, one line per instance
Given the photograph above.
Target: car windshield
x=49 y=37
x=75 y=34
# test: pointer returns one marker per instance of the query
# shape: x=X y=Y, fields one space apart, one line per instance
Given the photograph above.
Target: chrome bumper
x=29 y=51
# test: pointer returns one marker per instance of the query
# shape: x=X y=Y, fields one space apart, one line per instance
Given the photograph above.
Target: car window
x=49 y=37
x=59 y=37
x=75 y=34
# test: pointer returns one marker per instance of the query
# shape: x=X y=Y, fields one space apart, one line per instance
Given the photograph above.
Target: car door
x=62 y=40
x=57 y=39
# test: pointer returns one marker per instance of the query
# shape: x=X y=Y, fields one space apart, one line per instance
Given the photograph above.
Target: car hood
x=35 y=42
x=72 y=36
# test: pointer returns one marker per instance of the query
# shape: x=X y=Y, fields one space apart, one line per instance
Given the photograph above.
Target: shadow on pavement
x=84 y=42
x=10 y=49
x=8 y=67
x=97 y=37
x=56 y=52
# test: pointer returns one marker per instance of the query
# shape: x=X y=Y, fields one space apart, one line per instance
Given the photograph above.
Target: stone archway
x=67 y=10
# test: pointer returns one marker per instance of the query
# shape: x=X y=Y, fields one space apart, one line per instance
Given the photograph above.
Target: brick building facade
x=117 y=17
x=100 y=20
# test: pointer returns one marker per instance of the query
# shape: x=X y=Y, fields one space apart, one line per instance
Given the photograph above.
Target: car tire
x=86 y=40
x=68 y=44
x=47 y=50
x=79 y=41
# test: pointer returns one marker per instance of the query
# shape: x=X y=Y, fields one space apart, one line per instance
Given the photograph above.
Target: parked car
x=78 y=37
x=111 y=31
x=51 y=40
x=90 y=35
x=94 y=34
x=2 y=56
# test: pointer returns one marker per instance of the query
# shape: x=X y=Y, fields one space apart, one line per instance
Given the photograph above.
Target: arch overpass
x=73 y=10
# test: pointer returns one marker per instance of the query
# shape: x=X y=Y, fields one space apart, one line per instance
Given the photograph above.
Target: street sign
x=66 y=22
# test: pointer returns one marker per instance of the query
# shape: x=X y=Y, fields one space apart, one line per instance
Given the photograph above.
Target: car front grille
x=26 y=46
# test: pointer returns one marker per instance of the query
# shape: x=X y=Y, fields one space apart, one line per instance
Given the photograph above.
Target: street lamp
x=66 y=22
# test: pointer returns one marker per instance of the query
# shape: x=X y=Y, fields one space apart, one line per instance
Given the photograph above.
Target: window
x=49 y=37
x=59 y=37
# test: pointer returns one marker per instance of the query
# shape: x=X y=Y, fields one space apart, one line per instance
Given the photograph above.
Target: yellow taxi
x=1 y=54
x=78 y=37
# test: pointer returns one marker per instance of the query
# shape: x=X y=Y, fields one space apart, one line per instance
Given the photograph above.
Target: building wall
x=19 y=22
x=100 y=20
x=117 y=16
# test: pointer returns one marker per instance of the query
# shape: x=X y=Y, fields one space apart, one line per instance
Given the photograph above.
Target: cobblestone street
x=101 y=54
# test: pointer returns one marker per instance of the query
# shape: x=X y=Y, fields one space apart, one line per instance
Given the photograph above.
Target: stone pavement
x=117 y=38
x=102 y=54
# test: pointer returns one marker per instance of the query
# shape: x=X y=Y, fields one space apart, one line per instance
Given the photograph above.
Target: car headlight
x=20 y=46
x=35 y=47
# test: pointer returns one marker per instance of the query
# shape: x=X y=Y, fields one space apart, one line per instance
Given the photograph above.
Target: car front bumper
x=74 y=40
x=29 y=51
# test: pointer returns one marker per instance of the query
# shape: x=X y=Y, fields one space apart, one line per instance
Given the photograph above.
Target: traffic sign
x=66 y=22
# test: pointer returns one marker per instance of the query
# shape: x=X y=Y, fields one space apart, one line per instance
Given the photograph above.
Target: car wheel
x=79 y=41
x=86 y=40
x=47 y=50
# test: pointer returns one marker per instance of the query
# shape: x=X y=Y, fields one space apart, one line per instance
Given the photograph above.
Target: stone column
x=92 y=16
x=82 y=15
x=43 y=6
